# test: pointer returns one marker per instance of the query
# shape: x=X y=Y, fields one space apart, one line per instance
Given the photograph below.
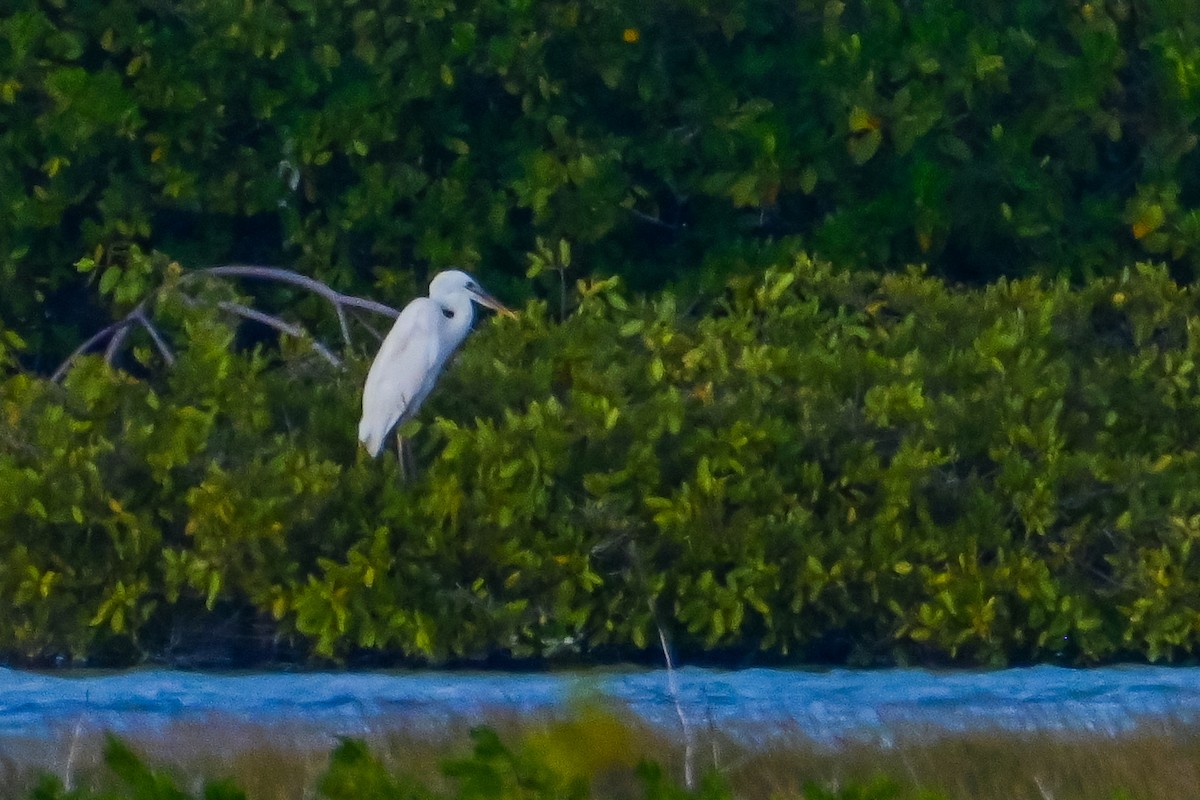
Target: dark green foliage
x=819 y=465
x=663 y=140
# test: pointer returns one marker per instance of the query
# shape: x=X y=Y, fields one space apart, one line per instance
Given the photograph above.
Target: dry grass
x=1156 y=763
x=991 y=766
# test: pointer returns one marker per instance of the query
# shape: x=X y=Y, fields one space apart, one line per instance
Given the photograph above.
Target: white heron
x=412 y=355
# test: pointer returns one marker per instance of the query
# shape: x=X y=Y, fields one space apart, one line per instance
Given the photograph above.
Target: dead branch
x=141 y=315
x=371 y=329
x=345 y=326
x=652 y=220
x=159 y=341
x=281 y=325
x=111 y=330
x=313 y=285
x=114 y=344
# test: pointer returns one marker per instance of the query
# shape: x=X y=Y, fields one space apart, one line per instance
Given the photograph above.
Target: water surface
x=751 y=705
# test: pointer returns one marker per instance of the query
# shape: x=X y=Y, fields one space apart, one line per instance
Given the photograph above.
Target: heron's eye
x=474 y=287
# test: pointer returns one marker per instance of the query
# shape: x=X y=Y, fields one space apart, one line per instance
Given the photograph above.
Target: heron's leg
x=410 y=468
x=401 y=447
x=404 y=454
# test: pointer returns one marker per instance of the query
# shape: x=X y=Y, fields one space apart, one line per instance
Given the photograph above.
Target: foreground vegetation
x=601 y=758
x=815 y=465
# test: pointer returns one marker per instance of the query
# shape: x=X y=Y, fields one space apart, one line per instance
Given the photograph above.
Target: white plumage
x=412 y=355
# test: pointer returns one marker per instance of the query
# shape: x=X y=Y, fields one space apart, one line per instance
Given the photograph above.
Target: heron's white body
x=415 y=351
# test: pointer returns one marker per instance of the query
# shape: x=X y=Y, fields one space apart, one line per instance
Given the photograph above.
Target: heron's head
x=446 y=285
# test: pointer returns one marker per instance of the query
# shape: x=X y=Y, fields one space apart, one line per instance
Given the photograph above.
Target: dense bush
x=493 y=771
x=818 y=464
x=662 y=140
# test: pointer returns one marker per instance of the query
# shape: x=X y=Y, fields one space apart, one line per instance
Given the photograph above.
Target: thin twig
x=73 y=750
x=689 y=778
x=343 y=323
x=114 y=344
x=281 y=325
x=370 y=328
x=159 y=341
x=95 y=339
x=652 y=220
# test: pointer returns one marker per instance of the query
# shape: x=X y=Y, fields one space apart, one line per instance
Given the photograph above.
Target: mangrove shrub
x=812 y=464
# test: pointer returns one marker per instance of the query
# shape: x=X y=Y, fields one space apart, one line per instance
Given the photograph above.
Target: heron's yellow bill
x=485 y=299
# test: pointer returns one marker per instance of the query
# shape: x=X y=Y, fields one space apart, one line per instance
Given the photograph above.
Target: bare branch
x=118 y=332
x=343 y=322
x=689 y=779
x=370 y=328
x=114 y=344
x=281 y=325
x=94 y=340
x=159 y=341
x=651 y=220
x=296 y=279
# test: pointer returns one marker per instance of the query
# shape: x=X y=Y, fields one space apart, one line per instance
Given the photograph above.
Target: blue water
x=751 y=705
